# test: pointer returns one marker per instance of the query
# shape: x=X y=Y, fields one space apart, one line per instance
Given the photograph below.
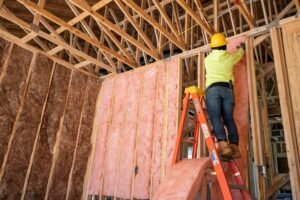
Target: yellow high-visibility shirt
x=219 y=65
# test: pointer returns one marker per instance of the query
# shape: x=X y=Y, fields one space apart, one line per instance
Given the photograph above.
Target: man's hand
x=242 y=45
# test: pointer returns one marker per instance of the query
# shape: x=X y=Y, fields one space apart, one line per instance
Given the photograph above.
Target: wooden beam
x=255 y=121
x=60 y=22
x=297 y=3
x=195 y=17
x=135 y=24
x=277 y=185
x=245 y=12
x=108 y=32
x=216 y=15
x=286 y=110
x=164 y=14
x=156 y=25
x=82 y=4
x=4 y=12
x=260 y=39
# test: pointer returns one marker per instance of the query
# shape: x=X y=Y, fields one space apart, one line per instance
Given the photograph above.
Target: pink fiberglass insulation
x=145 y=134
x=184 y=180
x=115 y=134
x=126 y=167
x=172 y=119
x=103 y=113
x=241 y=112
x=160 y=115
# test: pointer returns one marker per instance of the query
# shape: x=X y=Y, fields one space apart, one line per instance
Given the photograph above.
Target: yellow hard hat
x=218 y=40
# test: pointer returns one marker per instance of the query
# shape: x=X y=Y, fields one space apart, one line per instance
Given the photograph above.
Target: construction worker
x=219 y=94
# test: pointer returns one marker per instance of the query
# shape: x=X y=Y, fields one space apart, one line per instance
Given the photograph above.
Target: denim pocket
x=230 y=95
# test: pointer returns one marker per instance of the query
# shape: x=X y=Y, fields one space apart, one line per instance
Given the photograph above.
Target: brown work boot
x=225 y=149
x=236 y=151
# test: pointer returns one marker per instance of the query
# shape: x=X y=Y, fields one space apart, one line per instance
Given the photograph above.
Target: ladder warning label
x=214 y=158
x=205 y=130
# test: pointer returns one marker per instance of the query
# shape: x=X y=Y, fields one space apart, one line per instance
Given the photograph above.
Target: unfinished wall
x=137 y=117
x=286 y=47
x=46 y=121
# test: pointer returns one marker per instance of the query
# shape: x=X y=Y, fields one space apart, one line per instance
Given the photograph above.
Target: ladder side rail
x=211 y=147
x=181 y=126
x=195 y=142
x=239 y=180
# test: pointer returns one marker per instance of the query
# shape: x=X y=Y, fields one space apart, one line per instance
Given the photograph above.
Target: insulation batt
x=145 y=135
x=241 y=108
x=115 y=135
x=26 y=128
x=43 y=155
x=103 y=119
x=83 y=149
x=12 y=86
x=68 y=136
x=126 y=165
x=159 y=129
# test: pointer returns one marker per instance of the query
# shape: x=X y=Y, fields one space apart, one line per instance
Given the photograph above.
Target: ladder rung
x=189 y=139
x=239 y=187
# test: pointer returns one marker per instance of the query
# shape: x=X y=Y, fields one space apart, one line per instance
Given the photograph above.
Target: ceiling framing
x=113 y=36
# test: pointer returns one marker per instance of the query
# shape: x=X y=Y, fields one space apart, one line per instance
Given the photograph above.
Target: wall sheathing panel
x=25 y=129
x=138 y=125
x=68 y=137
x=12 y=88
x=43 y=155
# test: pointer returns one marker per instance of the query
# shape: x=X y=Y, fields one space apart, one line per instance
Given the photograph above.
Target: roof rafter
x=150 y=20
x=4 y=12
x=191 y=12
x=135 y=24
x=57 y=20
x=108 y=32
x=166 y=18
x=82 y=4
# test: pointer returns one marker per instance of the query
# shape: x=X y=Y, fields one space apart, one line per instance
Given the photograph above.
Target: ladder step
x=188 y=139
x=239 y=187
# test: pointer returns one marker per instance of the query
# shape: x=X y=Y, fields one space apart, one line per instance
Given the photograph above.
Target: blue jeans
x=220 y=104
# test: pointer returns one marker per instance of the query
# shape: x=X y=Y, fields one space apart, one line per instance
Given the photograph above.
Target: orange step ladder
x=197 y=96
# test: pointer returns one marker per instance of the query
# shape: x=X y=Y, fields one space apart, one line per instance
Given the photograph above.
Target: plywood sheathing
x=143 y=152
x=25 y=129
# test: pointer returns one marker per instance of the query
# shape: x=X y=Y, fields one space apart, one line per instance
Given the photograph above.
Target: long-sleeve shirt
x=219 y=65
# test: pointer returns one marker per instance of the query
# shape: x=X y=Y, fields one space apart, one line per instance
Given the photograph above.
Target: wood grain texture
x=12 y=88
x=43 y=156
x=63 y=164
x=26 y=130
